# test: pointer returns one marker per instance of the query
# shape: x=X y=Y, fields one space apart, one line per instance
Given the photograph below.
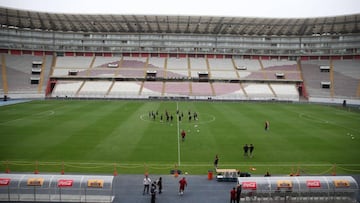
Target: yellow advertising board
x=341 y=183
x=35 y=181
x=95 y=183
x=284 y=184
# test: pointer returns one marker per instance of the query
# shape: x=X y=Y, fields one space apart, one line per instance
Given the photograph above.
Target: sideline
x=11 y=102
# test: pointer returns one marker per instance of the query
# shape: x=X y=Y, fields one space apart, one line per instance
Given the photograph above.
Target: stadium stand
x=94 y=89
x=312 y=59
x=201 y=89
x=228 y=91
x=270 y=62
x=103 y=62
x=125 y=90
x=177 y=64
x=346 y=78
x=78 y=62
x=153 y=89
x=313 y=78
x=66 y=88
x=177 y=89
x=198 y=64
x=20 y=75
x=220 y=64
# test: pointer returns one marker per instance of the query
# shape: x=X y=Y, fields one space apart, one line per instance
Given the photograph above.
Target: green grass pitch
x=104 y=136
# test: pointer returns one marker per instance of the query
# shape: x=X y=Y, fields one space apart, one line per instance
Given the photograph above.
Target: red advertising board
x=65 y=183
x=313 y=184
x=4 y=181
x=248 y=185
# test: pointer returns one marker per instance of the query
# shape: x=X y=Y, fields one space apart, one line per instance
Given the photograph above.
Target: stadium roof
x=110 y=23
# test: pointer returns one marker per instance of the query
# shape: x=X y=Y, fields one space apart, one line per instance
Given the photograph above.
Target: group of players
x=248 y=150
x=169 y=117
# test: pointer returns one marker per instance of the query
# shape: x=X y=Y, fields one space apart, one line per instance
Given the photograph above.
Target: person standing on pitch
x=146 y=182
x=246 y=149
x=267 y=125
x=182 y=185
x=183 y=134
x=251 y=149
x=216 y=161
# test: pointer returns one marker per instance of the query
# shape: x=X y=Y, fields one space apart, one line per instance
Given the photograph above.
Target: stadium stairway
x=3 y=73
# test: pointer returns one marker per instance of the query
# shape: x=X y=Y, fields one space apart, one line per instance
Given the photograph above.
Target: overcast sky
x=239 y=8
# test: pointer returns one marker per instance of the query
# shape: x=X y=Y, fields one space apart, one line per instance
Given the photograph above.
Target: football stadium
x=93 y=103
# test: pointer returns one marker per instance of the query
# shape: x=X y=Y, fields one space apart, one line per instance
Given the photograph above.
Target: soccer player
x=216 y=161
x=183 y=134
x=267 y=125
x=246 y=148
x=251 y=149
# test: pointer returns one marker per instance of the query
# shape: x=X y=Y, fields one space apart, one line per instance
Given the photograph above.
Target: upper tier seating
x=250 y=65
x=177 y=64
x=198 y=64
x=104 y=61
x=76 y=62
x=221 y=64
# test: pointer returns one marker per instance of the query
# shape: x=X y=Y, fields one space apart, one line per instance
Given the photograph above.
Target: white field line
x=41 y=114
x=178 y=133
x=171 y=164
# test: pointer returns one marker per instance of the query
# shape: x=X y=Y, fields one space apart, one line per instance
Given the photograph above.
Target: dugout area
x=56 y=188
x=300 y=188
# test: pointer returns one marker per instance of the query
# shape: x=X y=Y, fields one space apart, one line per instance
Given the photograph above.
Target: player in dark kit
x=267 y=125
x=238 y=193
x=216 y=161
x=246 y=149
x=251 y=149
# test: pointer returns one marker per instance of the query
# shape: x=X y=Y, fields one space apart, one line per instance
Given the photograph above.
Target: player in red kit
x=183 y=184
x=183 y=134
